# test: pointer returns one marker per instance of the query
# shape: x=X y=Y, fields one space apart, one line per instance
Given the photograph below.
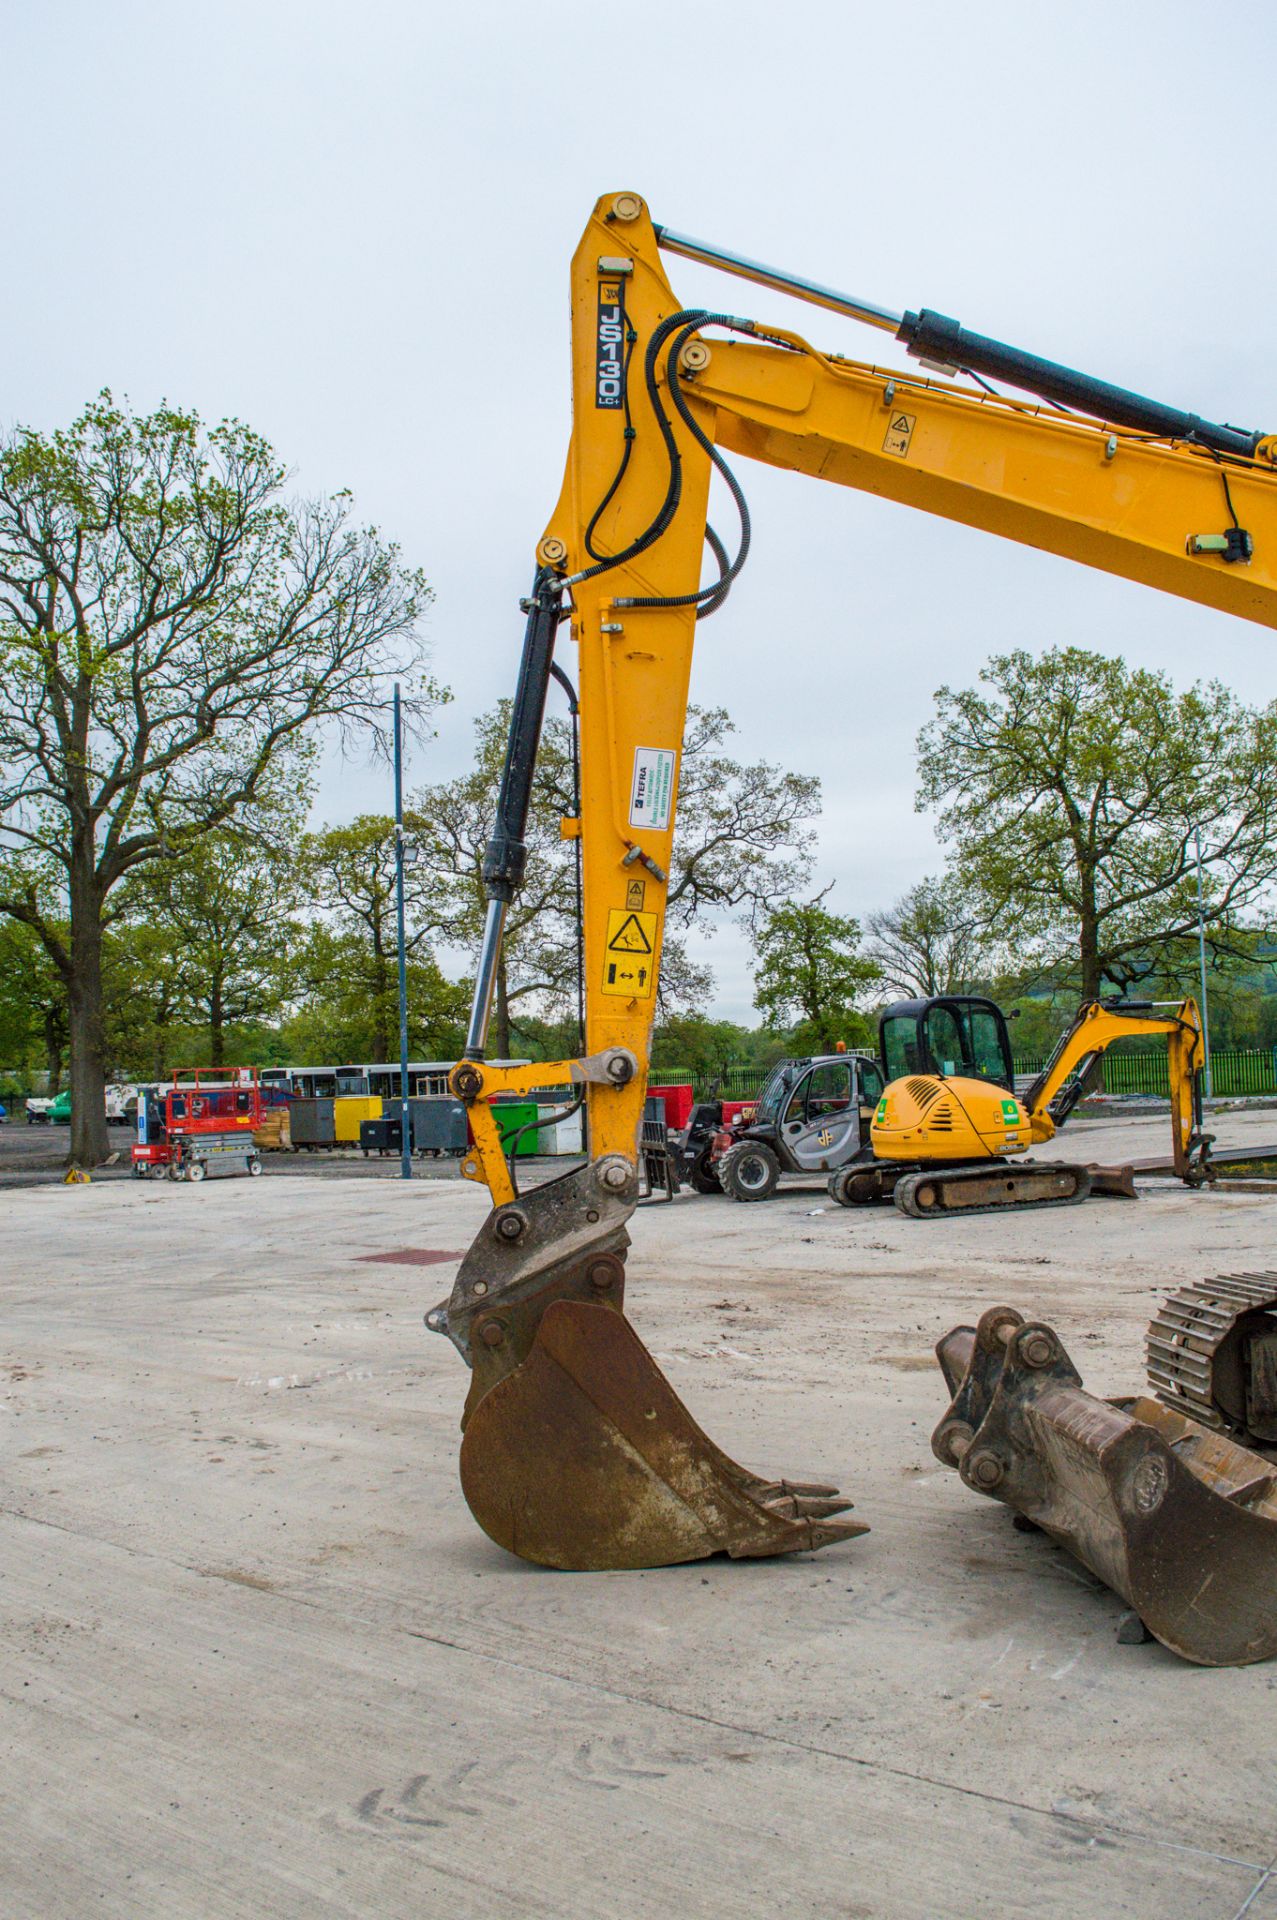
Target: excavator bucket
x=1179 y=1521
x=576 y=1451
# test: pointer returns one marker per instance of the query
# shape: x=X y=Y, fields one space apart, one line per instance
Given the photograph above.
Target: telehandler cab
x=576 y=1452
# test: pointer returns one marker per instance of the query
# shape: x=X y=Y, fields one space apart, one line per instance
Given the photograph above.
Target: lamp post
x=405 y=1112
x=1201 y=960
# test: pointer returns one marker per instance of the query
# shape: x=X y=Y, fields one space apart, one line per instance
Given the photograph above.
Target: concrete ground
x=259 y=1661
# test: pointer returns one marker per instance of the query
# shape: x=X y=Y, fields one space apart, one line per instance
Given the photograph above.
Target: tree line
x=178 y=636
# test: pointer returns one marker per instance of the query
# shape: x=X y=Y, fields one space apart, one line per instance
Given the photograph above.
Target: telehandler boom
x=576 y=1452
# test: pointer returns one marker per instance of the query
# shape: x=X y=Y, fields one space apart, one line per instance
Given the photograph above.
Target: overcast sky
x=350 y=225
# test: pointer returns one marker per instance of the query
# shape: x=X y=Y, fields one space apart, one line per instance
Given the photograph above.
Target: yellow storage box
x=348 y=1110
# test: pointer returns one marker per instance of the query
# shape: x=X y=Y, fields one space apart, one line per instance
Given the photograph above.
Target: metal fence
x=1234 y=1071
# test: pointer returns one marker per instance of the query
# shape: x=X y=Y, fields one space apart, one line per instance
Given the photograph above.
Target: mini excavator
x=950 y=1121
x=576 y=1452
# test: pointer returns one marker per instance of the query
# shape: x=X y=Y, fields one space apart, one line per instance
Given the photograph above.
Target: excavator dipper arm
x=576 y=1451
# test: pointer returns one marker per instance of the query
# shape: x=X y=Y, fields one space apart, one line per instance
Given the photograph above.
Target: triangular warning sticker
x=630 y=938
x=900 y=424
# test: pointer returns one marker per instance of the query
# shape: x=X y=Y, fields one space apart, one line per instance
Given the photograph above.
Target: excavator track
x=1211 y=1354
x=1180 y=1521
x=944 y=1191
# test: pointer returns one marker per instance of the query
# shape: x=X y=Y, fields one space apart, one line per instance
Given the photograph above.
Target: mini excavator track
x=996 y=1187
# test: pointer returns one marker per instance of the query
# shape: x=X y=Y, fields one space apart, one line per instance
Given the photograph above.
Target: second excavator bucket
x=1179 y=1521
x=576 y=1451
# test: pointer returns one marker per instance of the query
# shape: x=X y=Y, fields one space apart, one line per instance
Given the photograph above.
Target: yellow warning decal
x=630 y=932
x=629 y=969
x=899 y=433
x=635 y=894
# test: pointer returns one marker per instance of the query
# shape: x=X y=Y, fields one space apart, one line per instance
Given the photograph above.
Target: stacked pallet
x=273 y=1135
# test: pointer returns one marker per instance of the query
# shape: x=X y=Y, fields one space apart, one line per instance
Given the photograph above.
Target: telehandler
x=576 y=1452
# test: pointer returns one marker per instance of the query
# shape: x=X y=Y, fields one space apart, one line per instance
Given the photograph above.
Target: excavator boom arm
x=576 y=1451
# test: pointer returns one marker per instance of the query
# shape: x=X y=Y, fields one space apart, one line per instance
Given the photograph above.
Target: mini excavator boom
x=576 y=1452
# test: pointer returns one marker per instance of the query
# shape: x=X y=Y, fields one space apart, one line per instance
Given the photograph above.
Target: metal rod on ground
x=1201 y=958
x=405 y=1115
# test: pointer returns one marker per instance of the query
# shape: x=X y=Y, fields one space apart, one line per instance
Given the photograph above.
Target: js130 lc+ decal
x=608 y=381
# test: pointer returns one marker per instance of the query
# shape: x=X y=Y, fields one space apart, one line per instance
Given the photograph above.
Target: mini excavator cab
x=957 y=1036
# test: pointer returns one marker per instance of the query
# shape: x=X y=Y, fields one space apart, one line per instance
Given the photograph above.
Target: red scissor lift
x=210 y=1115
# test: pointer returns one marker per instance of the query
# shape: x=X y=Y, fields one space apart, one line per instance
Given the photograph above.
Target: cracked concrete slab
x=258 y=1659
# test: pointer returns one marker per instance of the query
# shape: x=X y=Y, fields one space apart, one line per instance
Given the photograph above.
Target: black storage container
x=438 y=1126
x=311 y=1123
x=378 y=1136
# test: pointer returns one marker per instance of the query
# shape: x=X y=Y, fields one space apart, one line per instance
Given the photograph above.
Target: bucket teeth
x=576 y=1451
x=1178 y=1520
x=584 y=1457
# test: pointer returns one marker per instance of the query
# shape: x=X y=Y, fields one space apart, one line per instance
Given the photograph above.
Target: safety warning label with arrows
x=899 y=433
x=629 y=963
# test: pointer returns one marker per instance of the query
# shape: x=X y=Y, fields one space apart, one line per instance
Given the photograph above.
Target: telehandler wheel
x=703 y=1177
x=749 y=1171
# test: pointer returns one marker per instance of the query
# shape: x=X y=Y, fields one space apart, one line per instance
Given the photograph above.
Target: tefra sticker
x=652 y=792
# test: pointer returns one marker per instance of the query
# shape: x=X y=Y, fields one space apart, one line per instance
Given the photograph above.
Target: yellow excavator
x=949 y=1121
x=576 y=1452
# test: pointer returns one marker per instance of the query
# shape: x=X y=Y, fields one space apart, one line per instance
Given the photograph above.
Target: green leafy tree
x=1070 y=787
x=146 y=1004
x=809 y=973
x=693 y=1044
x=169 y=624
x=339 y=1017
x=351 y=877
x=224 y=909
x=33 y=1007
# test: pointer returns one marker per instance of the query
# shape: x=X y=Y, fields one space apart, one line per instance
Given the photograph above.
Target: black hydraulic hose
x=542 y=1120
x=722 y=586
x=689 y=322
x=717 y=592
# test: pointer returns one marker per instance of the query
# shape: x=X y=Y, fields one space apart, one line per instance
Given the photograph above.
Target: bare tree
x=742 y=842
x=930 y=941
x=169 y=624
